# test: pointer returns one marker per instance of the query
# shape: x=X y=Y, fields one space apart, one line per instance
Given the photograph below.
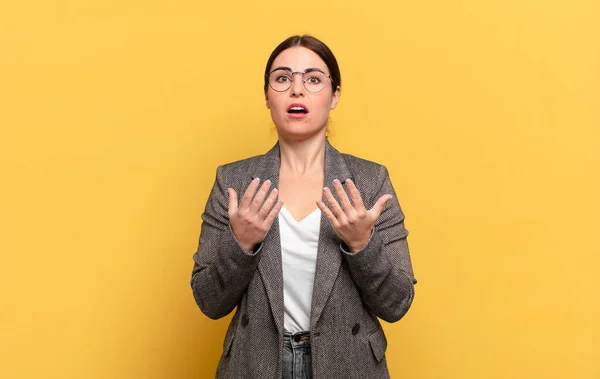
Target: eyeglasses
x=313 y=79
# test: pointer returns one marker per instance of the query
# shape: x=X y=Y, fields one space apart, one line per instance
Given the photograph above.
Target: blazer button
x=355 y=329
x=244 y=320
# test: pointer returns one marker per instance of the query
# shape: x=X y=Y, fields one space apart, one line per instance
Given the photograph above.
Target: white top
x=299 y=242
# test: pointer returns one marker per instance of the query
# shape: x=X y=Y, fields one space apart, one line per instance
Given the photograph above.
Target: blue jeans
x=297 y=362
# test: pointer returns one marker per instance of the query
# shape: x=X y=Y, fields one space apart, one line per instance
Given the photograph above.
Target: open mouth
x=297 y=109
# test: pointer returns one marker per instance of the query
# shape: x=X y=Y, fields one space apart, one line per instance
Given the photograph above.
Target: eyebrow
x=290 y=70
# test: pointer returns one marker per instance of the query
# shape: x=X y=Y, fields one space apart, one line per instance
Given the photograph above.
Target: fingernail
x=257 y=179
x=324 y=189
x=274 y=190
x=268 y=181
x=335 y=181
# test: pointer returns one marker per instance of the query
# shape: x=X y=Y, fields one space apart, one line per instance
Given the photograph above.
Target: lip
x=297 y=115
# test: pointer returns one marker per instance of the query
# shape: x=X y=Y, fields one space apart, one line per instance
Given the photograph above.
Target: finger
x=260 y=196
x=378 y=207
x=354 y=194
x=271 y=217
x=266 y=207
x=344 y=200
x=328 y=213
x=247 y=198
x=333 y=205
x=233 y=202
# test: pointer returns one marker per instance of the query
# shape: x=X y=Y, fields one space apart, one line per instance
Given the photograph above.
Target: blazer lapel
x=329 y=257
x=269 y=266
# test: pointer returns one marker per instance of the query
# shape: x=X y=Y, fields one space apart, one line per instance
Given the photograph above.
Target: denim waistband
x=297 y=339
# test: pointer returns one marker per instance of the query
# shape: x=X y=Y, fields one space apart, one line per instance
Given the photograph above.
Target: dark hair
x=314 y=45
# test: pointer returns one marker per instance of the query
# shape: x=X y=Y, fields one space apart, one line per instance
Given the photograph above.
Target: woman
x=309 y=244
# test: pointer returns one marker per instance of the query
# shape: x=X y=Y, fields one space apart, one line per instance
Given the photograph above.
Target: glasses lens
x=315 y=81
x=280 y=80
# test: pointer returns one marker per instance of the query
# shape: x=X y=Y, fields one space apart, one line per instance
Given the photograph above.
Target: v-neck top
x=299 y=242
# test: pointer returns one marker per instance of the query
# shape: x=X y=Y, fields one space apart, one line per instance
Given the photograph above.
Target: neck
x=302 y=157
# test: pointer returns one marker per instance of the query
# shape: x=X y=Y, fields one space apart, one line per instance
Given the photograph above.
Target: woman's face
x=291 y=122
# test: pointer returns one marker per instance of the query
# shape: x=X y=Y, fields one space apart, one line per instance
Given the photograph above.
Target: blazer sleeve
x=222 y=269
x=382 y=269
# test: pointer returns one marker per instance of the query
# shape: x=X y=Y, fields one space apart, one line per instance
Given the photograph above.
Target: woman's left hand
x=350 y=220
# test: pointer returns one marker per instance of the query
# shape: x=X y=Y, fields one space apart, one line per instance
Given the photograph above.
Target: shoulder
x=237 y=174
x=360 y=167
x=245 y=166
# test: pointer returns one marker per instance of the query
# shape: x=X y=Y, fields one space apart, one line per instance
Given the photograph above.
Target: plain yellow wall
x=115 y=114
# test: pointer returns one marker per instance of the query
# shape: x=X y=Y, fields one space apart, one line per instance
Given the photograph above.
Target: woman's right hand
x=251 y=220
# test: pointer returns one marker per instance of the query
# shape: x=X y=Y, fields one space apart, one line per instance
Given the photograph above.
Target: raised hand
x=350 y=220
x=251 y=219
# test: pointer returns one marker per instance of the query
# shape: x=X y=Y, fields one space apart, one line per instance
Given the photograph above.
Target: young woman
x=308 y=243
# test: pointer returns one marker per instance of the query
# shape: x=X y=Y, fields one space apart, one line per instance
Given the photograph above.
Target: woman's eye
x=313 y=80
x=283 y=79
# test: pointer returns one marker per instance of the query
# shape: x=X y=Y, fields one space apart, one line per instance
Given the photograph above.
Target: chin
x=299 y=132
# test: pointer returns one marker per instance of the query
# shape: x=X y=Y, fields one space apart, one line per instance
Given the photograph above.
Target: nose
x=297 y=88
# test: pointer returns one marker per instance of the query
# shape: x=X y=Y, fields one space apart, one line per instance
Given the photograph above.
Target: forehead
x=299 y=58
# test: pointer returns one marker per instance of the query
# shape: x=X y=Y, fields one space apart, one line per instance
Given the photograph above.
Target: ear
x=336 y=97
x=267 y=101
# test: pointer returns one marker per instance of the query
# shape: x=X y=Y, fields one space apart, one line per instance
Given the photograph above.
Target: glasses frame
x=309 y=70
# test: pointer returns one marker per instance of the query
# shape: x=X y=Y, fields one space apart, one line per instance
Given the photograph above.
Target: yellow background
x=115 y=114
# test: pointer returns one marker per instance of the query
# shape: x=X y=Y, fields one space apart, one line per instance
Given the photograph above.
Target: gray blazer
x=350 y=290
